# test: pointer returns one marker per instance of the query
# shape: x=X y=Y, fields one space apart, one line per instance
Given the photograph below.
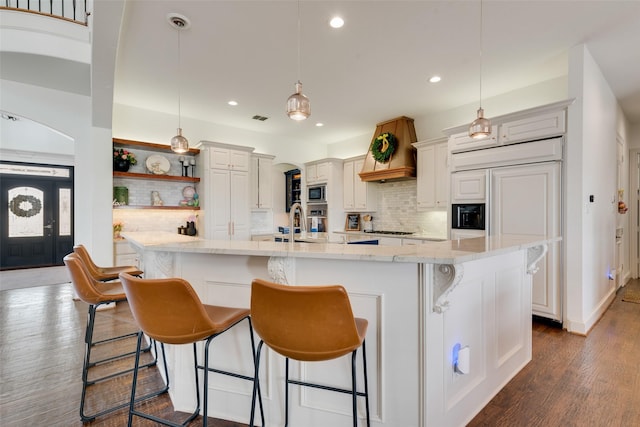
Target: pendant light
x=298 y=106
x=480 y=127
x=179 y=143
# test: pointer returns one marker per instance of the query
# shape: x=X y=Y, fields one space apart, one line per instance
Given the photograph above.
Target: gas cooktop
x=397 y=233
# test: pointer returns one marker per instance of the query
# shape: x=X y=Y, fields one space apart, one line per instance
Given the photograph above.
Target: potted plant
x=123 y=159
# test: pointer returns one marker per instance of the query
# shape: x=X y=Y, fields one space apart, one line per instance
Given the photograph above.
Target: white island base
x=420 y=300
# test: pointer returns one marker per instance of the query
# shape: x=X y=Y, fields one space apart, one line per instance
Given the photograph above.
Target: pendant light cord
x=179 y=75
x=481 y=43
x=299 y=67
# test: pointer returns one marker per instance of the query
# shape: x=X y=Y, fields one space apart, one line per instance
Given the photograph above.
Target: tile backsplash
x=397 y=211
x=155 y=219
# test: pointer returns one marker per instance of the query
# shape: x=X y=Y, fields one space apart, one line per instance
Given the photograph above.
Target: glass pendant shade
x=480 y=127
x=179 y=143
x=298 y=105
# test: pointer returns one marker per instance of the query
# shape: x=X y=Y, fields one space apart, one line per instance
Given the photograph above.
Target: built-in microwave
x=317 y=194
x=468 y=216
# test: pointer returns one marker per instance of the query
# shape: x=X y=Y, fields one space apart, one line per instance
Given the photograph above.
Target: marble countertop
x=444 y=252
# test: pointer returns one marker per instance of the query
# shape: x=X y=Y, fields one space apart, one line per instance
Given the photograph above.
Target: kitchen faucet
x=303 y=220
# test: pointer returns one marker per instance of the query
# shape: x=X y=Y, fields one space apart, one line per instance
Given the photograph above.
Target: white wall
x=590 y=170
x=70 y=115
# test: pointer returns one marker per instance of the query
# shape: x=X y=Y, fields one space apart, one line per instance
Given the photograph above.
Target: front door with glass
x=36 y=228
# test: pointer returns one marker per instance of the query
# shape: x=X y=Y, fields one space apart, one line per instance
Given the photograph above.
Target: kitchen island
x=421 y=302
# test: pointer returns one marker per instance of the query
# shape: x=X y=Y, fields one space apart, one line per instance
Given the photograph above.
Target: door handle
x=50 y=226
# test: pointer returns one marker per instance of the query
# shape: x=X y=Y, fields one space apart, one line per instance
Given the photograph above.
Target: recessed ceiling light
x=336 y=22
x=232 y=103
x=435 y=79
x=319 y=124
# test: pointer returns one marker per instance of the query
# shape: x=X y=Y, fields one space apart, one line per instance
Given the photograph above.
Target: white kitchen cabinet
x=525 y=200
x=261 y=176
x=358 y=195
x=469 y=186
x=226 y=187
x=433 y=174
x=533 y=127
x=124 y=254
x=463 y=142
x=223 y=157
x=317 y=172
x=230 y=211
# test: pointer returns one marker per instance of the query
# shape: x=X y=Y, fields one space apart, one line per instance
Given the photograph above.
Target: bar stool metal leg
x=87 y=363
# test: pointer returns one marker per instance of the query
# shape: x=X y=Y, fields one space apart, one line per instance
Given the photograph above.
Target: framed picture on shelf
x=352 y=222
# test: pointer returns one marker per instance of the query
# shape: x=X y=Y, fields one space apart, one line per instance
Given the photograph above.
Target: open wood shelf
x=188 y=208
x=150 y=146
x=134 y=175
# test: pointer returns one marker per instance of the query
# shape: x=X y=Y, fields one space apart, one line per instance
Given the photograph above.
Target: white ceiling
x=373 y=69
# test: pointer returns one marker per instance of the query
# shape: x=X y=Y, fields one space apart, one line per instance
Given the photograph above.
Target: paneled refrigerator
x=521 y=186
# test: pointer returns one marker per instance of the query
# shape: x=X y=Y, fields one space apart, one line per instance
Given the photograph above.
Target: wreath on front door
x=25 y=206
x=383 y=146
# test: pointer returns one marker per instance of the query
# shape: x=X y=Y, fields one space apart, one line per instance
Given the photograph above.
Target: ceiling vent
x=260 y=118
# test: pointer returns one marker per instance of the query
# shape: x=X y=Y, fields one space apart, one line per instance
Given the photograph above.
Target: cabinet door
x=469 y=186
x=536 y=127
x=260 y=183
x=525 y=200
x=363 y=193
x=311 y=173
x=254 y=183
x=224 y=158
x=442 y=175
x=239 y=160
x=218 y=202
x=265 y=183
x=463 y=142
x=219 y=158
x=348 y=181
x=322 y=171
x=425 y=188
x=239 y=205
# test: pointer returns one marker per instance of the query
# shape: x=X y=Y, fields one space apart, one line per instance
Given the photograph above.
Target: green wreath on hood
x=383 y=147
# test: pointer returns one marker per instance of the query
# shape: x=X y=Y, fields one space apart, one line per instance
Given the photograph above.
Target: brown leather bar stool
x=103 y=274
x=96 y=293
x=308 y=324
x=170 y=312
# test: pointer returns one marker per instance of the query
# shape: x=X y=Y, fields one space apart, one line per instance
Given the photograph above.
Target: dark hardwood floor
x=571 y=381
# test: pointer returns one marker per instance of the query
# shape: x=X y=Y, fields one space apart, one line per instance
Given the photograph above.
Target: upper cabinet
x=170 y=177
x=433 y=174
x=358 y=195
x=534 y=127
x=261 y=181
x=227 y=191
x=533 y=124
x=317 y=172
x=463 y=142
x=221 y=157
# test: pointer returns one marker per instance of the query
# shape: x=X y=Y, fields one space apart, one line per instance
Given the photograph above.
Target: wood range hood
x=402 y=164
